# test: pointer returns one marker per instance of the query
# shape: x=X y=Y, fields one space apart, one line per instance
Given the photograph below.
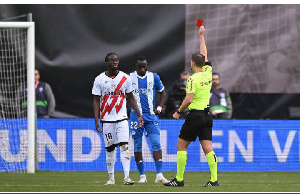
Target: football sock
x=111 y=176
x=140 y=167
x=158 y=165
x=110 y=163
x=212 y=162
x=181 y=162
x=125 y=159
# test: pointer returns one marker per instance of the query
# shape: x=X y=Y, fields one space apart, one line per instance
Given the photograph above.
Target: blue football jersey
x=144 y=90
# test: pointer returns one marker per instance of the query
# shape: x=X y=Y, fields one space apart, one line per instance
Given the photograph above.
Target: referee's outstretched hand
x=176 y=115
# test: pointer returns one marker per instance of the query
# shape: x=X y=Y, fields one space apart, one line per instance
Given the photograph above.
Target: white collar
x=142 y=77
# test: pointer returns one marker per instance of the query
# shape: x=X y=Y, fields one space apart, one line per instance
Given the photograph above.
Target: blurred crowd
x=220 y=101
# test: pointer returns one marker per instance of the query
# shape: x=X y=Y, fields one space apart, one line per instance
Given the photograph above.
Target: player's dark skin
x=112 y=65
x=141 y=69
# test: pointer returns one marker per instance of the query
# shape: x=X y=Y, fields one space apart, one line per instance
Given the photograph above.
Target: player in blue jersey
x=145 y=84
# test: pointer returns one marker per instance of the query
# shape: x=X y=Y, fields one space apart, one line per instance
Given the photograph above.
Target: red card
x=199 y=22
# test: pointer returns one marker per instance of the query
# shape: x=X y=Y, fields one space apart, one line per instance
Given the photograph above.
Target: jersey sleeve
x=96 y=88
x=129 y=87
x=157 y=83
x=207 y=67
x=190 y=86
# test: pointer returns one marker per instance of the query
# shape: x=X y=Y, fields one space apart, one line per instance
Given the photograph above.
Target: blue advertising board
x=240 y=145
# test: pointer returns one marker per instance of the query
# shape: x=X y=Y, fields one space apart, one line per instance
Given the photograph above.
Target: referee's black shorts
x=198 y=123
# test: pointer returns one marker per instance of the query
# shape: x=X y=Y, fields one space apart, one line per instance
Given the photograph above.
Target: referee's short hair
x=199 y=59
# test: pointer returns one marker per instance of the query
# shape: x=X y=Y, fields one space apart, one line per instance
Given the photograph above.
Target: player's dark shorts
x=198 y=123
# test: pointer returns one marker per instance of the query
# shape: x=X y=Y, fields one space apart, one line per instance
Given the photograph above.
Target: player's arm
x=186 y=102
x=190 y=94
x=162 y=98
x=96 y=112
x=203 y=49
x=162 y=93
x=134 y=106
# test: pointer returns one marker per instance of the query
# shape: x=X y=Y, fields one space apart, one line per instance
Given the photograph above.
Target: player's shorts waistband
x=114 y=121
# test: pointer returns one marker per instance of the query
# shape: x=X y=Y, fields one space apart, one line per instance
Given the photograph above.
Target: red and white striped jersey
x=112 y=95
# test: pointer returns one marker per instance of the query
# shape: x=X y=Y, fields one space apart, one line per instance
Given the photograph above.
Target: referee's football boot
x=211 y=184
x=174 y=183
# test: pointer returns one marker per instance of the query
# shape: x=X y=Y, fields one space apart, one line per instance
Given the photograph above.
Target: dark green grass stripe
x=92 y=181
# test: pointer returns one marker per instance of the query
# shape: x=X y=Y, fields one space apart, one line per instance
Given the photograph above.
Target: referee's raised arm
x=198 y=122
x=203 y=49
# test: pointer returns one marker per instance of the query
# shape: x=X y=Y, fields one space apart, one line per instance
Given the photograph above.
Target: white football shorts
x=115 y=133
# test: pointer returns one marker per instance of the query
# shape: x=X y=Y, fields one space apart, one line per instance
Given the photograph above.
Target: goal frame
x=31 y=110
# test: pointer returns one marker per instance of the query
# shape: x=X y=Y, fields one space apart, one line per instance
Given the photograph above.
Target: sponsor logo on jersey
x=142 y=91
x=205 y=83
x=106 y=107
x=114 y=93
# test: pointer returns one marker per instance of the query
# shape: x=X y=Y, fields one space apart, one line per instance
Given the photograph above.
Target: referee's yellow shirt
x=199 y=84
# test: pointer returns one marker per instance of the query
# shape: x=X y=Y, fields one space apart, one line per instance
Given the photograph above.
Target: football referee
x=198 y=122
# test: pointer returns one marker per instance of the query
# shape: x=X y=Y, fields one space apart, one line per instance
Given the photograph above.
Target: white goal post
x=30 y=61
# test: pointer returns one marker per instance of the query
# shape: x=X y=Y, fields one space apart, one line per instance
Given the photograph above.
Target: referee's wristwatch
x=178 y=111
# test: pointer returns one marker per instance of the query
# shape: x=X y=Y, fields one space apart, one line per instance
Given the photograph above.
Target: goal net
x=17 y=97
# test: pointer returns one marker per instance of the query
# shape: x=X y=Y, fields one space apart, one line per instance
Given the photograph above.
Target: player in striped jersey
x=145 y=84
x=109 y=90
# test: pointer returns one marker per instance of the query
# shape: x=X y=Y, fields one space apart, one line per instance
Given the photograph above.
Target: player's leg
x=211 y=160
x=137 y=136
x=205 y=138
x=187 y=134
x=181 y=163
x=153 y=133
x=139 y=159
x=110 y=163
x=181 y=157
x=122 y=129
x=109 y=136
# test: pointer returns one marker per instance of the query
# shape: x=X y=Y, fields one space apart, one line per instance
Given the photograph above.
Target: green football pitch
x=92 y=181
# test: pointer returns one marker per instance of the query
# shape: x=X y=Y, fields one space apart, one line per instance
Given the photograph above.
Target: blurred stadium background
x=254 y=47
x=72 y=41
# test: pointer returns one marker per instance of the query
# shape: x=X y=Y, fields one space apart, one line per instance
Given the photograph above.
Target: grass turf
x=92 y=181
